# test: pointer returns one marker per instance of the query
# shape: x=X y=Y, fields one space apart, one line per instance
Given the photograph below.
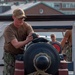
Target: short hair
x=52 y=35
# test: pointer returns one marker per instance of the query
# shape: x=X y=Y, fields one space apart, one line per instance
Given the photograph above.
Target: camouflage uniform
x=9 y=63
x=68 y=51
x=68 y=45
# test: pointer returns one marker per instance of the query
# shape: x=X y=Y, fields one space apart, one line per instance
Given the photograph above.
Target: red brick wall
x=46 y=10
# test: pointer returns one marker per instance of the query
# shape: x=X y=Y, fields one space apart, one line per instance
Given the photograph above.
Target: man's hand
x=29 y=38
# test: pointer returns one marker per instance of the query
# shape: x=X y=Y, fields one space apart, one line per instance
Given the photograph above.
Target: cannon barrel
x=41 y=57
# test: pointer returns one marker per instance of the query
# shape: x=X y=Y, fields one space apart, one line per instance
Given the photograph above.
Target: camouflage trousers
x=9 y=64
x=68 y=53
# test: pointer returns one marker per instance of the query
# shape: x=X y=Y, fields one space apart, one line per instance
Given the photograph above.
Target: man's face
x=19 y=21
x=53 y=37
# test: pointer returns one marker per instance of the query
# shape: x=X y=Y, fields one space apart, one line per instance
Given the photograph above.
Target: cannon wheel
x=37 y=48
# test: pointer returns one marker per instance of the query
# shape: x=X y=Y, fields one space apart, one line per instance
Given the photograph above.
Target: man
x=16 y=35
x=55 y=43
x=53 y=38
x=66 y=44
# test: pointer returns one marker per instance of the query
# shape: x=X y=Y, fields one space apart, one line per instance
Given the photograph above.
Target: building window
x=68 y=5
x=2 y=0
x=41 y=11
x=57 y=5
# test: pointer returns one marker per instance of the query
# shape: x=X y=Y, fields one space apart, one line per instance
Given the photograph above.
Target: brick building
x=64 y=6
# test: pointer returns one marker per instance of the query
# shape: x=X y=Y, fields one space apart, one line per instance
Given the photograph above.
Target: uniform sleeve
x=8 y=35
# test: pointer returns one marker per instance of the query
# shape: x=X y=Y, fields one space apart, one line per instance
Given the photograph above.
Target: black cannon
x=41 y=58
